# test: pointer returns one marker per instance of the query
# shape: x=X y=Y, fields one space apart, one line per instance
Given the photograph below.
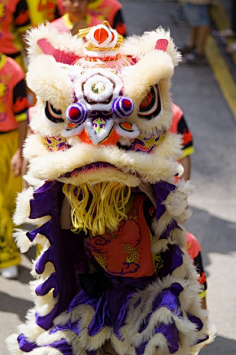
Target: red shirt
x=13 y=100
x=179 y=126
x=14 y=19
x=194 y=251
x=127 y=251
x=43 y=10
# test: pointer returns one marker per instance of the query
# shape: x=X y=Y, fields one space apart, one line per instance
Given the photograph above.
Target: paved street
x=213 y=125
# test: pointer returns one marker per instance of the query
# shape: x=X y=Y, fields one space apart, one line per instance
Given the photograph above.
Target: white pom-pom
x=177 y=201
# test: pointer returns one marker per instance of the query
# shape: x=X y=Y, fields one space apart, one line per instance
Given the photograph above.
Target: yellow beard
x=97 y=207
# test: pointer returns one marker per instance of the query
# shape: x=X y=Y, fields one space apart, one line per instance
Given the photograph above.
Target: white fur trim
x=30 y=328
x=45 y=351
x=33 y=147
x=49 y=269
x=63 y=41
x=178 y=236
x=23 y=209
x=139 y=46
x=22 y=206
x=22 y=240
x=212 y=333
x=50 y=81
x=122 y=347
x=12 y=345
x=45 y=304
x=176 y=202
x=187 y=297
x=151 y=167
x=125 y=133
x=149 y=71
x=31 y=181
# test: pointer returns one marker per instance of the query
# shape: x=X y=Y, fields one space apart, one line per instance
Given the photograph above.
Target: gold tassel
x=97 y=207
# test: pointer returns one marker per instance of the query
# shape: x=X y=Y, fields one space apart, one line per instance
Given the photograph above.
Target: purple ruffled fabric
x=112 y=307
x=111 y=310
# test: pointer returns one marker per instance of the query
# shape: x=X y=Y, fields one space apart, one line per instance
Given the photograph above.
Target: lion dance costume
x=118 y=271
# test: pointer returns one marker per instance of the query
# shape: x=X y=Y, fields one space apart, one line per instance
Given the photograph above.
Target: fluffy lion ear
x=139 y=46
x=49 y=81
x=147 y=81
x=62 y=46
x=152 y=68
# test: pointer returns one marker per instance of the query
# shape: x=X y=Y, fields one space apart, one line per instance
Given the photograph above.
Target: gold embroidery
x=133 y=254
x=54 y=143
x=101 y=259
x=159 y=263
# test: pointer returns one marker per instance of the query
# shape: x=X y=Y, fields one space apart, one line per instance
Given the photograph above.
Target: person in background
x=197 y=14
x=76 y=17
x=229 y=33
x=110 y=10
x=44 y=10
x=178 y=16
x=106 y=10
x=194 y=251
x=179 y=126
x=14 y=21
x=13 y=126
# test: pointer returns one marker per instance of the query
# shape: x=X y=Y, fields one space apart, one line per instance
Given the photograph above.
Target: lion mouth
x=89 y=168
x=98 y=172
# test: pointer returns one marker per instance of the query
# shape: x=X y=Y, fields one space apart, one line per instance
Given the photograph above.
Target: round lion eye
x=150 y=106
x=53 y=114
x=146 y=101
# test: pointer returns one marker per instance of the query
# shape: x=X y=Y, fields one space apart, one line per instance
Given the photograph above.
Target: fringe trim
x=24 y=243
x=187 y=297
x=23 y=209
x=97 y=208
x=22 y=240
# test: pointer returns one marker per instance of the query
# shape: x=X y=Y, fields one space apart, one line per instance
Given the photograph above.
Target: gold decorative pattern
x=133 y=255
x=101 y=259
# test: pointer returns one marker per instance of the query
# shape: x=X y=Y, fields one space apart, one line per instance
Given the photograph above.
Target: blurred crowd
x=196 y=15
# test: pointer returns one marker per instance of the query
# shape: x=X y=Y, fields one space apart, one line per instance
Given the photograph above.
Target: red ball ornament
x=74 y=113
x=101 y=35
